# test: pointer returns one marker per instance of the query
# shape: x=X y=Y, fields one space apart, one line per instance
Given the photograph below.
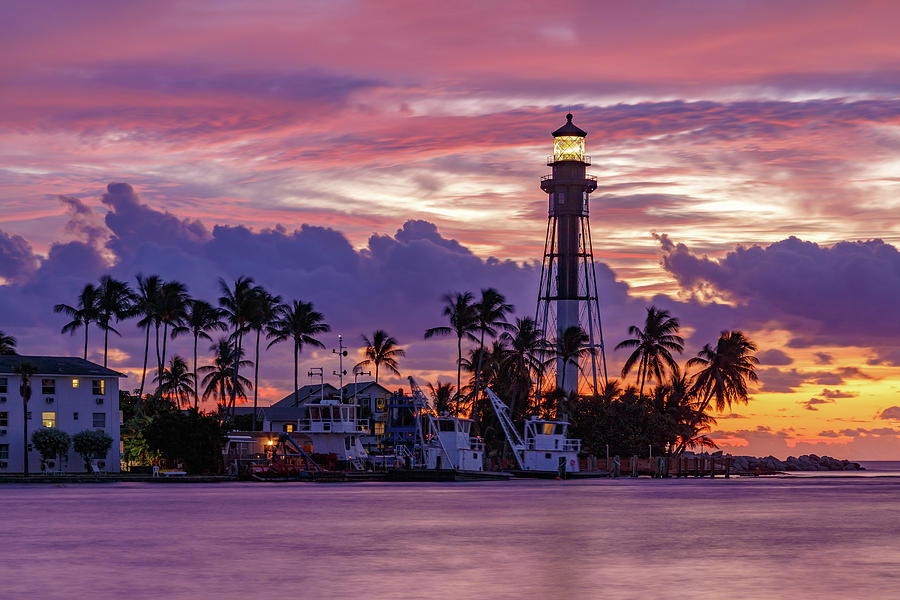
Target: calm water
x=740 y=538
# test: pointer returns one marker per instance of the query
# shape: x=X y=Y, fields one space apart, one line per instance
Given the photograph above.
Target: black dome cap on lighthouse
x=569 y=129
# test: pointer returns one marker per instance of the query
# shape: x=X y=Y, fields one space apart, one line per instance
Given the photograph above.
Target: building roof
x=283 y=413
x=305 y=392
x=365 y=387
x=56 y=365
x=569 y=129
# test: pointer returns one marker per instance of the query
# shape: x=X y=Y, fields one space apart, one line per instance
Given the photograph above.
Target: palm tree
x=145 y=305
x=176 y=382
x=299 y=323
x=25 y=370
x=460 y=311
x=382 y=350
x=199 y=317
x=490 y=315
x=525 y=344
x=441 y=397
x=237 y=307
x=83 y=314
x=219 y=376
x=653 y=346
x=571 y=346
x=114 y=301
x=171 y=305
x=726 y=370
x=263 y=311
x=7 y=344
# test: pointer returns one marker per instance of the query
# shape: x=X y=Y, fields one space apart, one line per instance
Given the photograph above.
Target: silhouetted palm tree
x=382 y=350
x=219 y=376
x=653 y=346
x=171 y=305
x=522 y=361
x=176 y=382
x=490 y=315
x=441 y=397
x=237 y=306
x=264 y=307
x=82 y=314
x=460 y=311
x=146 y=301
x=114 y=302
x=299 y=323
x=199 y=317
x=571 y=346
x=726 y=370
x=25 y=370
x=7 y=344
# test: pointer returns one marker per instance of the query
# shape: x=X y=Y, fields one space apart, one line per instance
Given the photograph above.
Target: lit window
x=48 y=419
x=379 y=428
x=379 y=403
x=4 y=451
x=48 y=386
x=288 y=427
x=568 y=147
x=99 y=386
x=4 y=419
x=99 y=419
x=74 y=383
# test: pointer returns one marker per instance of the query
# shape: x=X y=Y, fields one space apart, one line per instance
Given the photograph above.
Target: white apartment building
x=70 y=394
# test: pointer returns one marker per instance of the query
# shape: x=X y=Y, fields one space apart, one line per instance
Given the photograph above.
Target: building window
x=75 y=416
x=4 y=451
x=48 y=419
x=4 y=384
x=288 y=427
x=75 y=383
x=379 y=403
x=48 y=387
x=99 y=386
x=99 y=419
x=4 y=419
x=379 y=428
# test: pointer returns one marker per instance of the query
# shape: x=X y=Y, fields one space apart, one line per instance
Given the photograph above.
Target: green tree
x=460 y=311
x=193 y=439
x=7 y=344
x=299 y=323
x=571 y=346
x=176 y=382
x=199 y=318
x=653 y=346
x=114 y=303
x=82 y=314
x=441 y=397
x=25 y=370
x=522 y=362
x=145 y=305
x=170 y=311
x=51 y=443
x=91 y=444
x=382 y=350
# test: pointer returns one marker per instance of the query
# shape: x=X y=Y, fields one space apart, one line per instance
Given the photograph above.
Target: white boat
x=450 y=445
x=334 y=429
x=546 y=447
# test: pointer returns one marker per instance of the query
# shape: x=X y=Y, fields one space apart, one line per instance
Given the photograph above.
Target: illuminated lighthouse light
x=568 y=147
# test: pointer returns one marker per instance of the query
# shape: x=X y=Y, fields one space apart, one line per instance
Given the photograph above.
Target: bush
x=51 y=443
x=91 y=444
x=191 y=438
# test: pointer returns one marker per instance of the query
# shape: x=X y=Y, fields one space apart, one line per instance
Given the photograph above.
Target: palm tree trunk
x=458 y=372
x=642 y=374
x=256 y=378
x=196 y=394
x=105 y=342
x=158 y=360
x=478 y=371
x=144 y=371
x=296 y=365
x=376 y=372
x=234 y=377
x=25 y=431
x=165 y=339
x=87 y=325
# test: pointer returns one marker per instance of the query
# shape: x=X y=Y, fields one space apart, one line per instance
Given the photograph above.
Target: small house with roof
x=70 y=394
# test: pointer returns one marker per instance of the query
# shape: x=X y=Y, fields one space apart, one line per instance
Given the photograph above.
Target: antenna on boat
x=341 y=352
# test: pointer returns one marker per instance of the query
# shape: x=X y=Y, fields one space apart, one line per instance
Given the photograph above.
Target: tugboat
x=334 y=429
x=449 y=445
x=546 y=449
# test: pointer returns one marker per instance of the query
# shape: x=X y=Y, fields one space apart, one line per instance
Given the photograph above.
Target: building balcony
x=552 y=160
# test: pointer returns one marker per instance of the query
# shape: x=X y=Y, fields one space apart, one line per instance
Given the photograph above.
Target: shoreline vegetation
x=657 y=407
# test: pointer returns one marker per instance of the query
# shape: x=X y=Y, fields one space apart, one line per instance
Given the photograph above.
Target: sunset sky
x=371 y=156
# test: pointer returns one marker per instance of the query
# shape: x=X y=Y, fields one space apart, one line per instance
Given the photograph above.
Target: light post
x=341 y=372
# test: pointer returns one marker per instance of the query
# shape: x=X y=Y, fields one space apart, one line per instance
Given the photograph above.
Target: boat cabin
x=547 y=445
x=450 y=445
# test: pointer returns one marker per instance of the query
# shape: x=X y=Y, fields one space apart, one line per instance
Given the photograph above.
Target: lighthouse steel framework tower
x=567 y=295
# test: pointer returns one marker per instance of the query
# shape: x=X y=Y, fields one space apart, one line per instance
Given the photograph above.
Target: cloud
x=17 y=260
x=788 y=380
x=891 y=413
x=812 y=402
x=774 y=356
x=822 y=358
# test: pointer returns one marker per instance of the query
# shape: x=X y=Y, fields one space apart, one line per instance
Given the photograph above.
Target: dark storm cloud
x=17 y=260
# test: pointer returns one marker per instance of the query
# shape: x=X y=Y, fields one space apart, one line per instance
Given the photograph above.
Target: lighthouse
x=567 y=293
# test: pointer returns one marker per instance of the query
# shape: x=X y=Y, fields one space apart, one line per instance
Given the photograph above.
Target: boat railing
x=572 y=445
x=338 y=426
x=476 y=444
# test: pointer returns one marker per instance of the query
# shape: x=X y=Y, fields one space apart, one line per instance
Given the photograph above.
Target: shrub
x=91 y=444
x=51 y=443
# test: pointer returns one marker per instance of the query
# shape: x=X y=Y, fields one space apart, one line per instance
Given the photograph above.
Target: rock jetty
x=807 y=462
